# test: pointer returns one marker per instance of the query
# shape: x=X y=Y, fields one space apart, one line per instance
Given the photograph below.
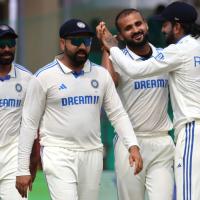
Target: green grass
x=40 y=190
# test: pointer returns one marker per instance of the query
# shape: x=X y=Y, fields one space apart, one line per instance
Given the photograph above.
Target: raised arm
x=106 y=62
x=169 y=60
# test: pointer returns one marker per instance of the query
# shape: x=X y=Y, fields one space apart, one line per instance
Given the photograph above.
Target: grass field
x=107 y=187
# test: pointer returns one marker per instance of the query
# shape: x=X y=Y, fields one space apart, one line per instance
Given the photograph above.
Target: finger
x=30 y=186
x=131 y=161
x=137 y=168
x=140 y=165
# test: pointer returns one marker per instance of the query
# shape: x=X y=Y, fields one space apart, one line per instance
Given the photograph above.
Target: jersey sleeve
x=167 y=60
x=117 y=115
x=33 y=109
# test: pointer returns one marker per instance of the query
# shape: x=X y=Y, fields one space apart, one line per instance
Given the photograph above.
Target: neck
x=141 y=51
x=70 y=64
x=4 y=69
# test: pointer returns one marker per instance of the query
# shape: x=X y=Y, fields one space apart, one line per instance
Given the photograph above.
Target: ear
x=62 y=44
x=177 y=29
x=147 y=26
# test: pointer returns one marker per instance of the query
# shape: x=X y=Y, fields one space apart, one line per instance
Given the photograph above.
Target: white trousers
x=8 y=168
x=72 y=175
x=156 y=178
x=187 y=162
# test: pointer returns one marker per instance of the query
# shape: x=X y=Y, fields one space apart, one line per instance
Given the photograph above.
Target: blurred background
x=37 y=24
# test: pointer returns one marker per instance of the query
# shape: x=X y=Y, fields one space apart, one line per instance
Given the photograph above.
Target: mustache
x=82 y=51
x=138 y=33
x=6 y=54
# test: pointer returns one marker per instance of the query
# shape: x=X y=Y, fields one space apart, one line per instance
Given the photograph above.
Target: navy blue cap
x=74 y=27
x=179 y=12
x=6 y=30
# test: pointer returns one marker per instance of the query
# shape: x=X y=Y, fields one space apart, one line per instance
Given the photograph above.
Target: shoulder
x=96 y=67
x=22 y=72
x=22 y=69
x=46 y=69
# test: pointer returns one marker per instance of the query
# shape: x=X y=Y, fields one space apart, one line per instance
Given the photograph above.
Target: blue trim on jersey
x=22 y=68
x=191 y=154
x=50 y=65
x=125 y=51
x=187 y=161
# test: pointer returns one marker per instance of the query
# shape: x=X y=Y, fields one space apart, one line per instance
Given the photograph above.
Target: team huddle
x=60 y=108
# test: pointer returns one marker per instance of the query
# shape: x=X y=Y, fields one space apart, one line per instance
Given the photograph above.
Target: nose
x=83 y=46
x=6 y=48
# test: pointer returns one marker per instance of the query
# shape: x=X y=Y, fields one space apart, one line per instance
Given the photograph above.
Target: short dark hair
x=125 y=12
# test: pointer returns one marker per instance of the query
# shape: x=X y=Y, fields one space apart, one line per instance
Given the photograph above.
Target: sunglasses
x=77 y=41
x=7 y=42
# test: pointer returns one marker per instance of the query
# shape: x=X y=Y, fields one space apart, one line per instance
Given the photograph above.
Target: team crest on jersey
x=18 y=87
x=95 y=83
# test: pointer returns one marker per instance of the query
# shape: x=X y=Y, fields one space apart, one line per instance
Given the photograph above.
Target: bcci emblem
x=94 y=83
x=18 y=87
x=81 y=25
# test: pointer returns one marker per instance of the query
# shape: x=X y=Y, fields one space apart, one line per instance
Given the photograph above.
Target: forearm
x=124 y=129
x=26 y=140
x=106 y=62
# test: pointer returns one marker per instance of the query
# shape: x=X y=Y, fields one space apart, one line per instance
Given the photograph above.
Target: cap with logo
x=6 y=30
x=178 y=11
x=75 y=27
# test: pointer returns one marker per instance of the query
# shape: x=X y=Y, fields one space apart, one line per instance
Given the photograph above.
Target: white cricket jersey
x=67 y=107
x=12 y=94
x=145 y=100
x=182 y=61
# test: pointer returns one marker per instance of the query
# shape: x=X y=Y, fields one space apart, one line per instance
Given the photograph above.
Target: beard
x=6 y=61
x=78 y=58
x=169 y=37
x=134 y=44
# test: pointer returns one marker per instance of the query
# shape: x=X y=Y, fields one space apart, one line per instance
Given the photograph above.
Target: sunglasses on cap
x=7 y=42
x=77 y=41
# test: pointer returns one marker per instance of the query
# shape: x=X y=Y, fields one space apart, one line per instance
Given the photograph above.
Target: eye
x=139 y=23
x=127 y=28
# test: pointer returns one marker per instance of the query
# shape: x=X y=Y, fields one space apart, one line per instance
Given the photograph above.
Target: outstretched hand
x=107 y=40
x=135 y=159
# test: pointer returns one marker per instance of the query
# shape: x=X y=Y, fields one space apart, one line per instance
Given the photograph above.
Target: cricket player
x=143 y=105
x=13 y=83
x=64 y=100
x=182 y=60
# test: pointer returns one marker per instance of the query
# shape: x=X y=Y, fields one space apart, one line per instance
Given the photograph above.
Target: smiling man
x=181 y=60
x=143 y=99
x=64 y=101
x=13 y=83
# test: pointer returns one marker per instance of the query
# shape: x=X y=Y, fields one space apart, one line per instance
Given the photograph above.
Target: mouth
x=81 y=54
x=138 y=36
x=6 y=56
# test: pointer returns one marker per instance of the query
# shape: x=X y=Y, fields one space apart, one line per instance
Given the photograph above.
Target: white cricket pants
x=187 y=162
x=156 y=178
x=8 y=168
x=72 y=175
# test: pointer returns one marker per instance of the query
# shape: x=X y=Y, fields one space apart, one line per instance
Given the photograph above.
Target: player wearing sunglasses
x=64 y=101
x=13 y=83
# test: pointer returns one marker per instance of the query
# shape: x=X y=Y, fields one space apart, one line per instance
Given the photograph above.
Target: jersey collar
x=184 y=38
x=12 y=72
x=65 y=69
x=135 y=56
